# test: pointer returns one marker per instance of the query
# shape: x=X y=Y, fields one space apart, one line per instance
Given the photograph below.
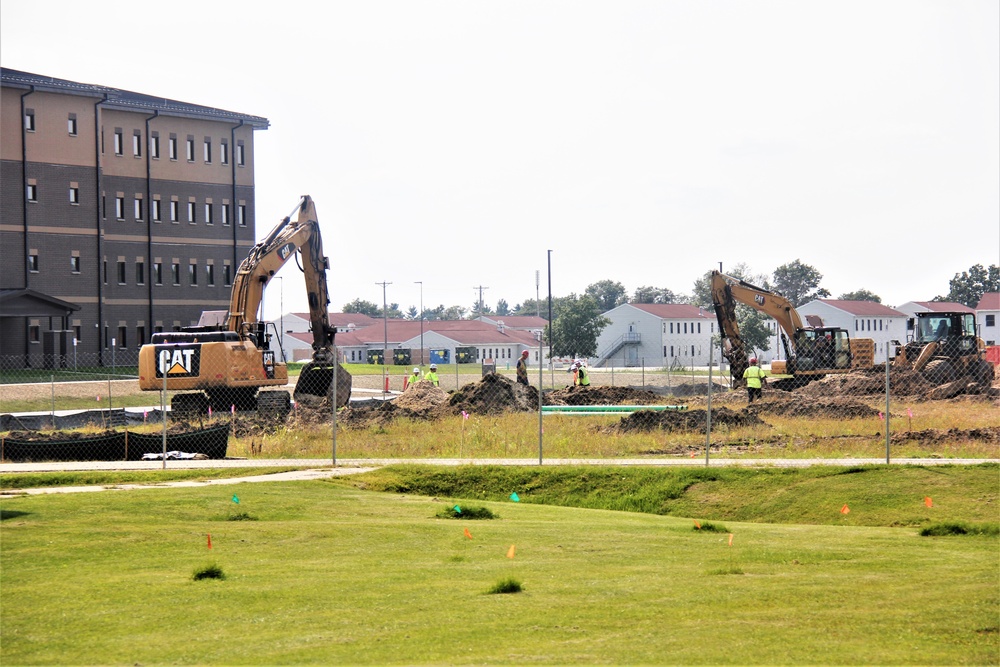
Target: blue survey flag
x=458 y=509
x=236 y=499
x=514 y=497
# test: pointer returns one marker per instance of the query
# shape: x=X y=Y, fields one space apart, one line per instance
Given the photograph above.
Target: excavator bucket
x=316 y=379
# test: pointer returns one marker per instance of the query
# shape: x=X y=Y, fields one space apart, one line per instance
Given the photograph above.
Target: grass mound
x=459 y=512
x=506 y=586
x=209 y=572
x=958 y=528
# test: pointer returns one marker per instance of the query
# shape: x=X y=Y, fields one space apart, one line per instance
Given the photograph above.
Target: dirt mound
x=494 y=394
x=602 y=396
x=421 y=396
x=937 y=435
x=819 y=407
x=687 y=420
x=901 y=383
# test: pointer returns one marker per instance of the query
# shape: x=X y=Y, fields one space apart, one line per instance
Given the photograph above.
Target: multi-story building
x=121 y=214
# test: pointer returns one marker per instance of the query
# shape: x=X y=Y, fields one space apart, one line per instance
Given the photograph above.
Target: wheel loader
x=944 y=348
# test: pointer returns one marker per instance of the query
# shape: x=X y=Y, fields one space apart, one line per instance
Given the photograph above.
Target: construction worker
x=580 y=376
x=522 y=368
x=431 y=375
x=414 y=378
x=754 y=376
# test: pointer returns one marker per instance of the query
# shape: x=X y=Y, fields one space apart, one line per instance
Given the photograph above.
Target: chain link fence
x=91 y=408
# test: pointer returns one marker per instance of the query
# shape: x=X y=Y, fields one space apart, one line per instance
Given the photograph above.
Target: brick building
x=121 y=214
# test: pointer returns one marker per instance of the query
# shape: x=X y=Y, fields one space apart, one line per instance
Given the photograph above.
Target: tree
x=453 y=313
x=363 y=308
x=969 y=286
x=503 y=308
x=534 y=307
x=412 y=314
x=578 y=323
x=861 y=295
x=702 y=290
x=607 y=294
x=480 y=308
x=654 y=295
x=799 y=283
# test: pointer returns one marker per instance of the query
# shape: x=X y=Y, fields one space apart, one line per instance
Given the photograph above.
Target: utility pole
x=479 y=304
x=421 y=283
x=385 y=333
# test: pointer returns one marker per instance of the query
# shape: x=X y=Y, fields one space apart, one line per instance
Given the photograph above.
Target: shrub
x=505 y=586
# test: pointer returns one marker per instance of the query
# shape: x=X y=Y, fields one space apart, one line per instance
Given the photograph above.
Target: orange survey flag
x=927 y=501
x=210 y=541
x=730 y=539
x=510 y=552
x=845 y=509
x=696 y=524
x=468 y=534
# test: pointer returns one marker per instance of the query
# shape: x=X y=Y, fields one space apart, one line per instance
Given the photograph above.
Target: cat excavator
x=233 y=367
x=810 y=352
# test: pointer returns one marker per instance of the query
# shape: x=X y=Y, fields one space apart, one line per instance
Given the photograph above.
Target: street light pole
x=421 y=283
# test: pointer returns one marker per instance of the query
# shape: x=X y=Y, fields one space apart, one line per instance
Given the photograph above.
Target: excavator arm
x=301 y=235
x=726 y=291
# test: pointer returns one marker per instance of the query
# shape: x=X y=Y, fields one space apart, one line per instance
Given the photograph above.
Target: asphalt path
x=308 y=469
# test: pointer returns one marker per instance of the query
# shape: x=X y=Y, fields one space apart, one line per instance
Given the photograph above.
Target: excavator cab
x=821 y=350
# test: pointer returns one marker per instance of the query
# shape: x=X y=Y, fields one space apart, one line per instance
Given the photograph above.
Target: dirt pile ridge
x=602 y=396
x=684 y=421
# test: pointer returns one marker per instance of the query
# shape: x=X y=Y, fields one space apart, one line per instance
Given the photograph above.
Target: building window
x=120 y=208
x=227 y=275
x=240 y=154
x=74 y=264
x=210 y=275
x=33 y=262
x=32 y=192
x=225 y=214
x=154 y=146
x=158 y=273
x=156 y=210
x=224 y=152
x=74 y=195
x=34 y=333
x=140 y=335
x=121 y=272
x=241 y=212
x=172 y=147
x=191 y=212
x=208 y=150
x=991 y=320
x=119 y=143
x=137 y=144
x=121 y=337
x=193 y=274
x=104 y=271
x=140 y=272
x=208 y=213
x=29 y=120
x=138 y=210
x=190 y=149
x=71 y=125
x=175 y=273
x=78 y=333
x=175 y=213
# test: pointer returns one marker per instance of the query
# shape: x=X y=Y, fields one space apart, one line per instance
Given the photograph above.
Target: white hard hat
x=434 y=367
x=416 y=370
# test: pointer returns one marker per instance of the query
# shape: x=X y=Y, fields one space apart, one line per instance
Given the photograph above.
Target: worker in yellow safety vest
x=754 y=376
x=414 y=378
x=431 y=375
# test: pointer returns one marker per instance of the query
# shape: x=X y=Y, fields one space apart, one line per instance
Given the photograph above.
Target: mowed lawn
x=321 y=573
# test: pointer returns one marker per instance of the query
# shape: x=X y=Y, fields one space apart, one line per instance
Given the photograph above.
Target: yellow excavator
x=810 y=352
x=231 y=367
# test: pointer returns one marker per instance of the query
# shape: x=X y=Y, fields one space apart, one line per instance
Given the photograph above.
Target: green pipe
x=609 y=408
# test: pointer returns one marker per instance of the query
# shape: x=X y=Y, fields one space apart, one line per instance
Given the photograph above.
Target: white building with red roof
x=987 y=316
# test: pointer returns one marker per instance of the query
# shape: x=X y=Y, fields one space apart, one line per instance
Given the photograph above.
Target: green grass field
x=328 y=572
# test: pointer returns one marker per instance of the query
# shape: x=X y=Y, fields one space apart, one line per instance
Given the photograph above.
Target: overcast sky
x=457 y=142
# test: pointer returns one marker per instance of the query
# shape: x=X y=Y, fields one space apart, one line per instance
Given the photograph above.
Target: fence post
x=708 y=409
x=333 y=402
x=163 y=409
x=887 y=403
x=52 y=384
